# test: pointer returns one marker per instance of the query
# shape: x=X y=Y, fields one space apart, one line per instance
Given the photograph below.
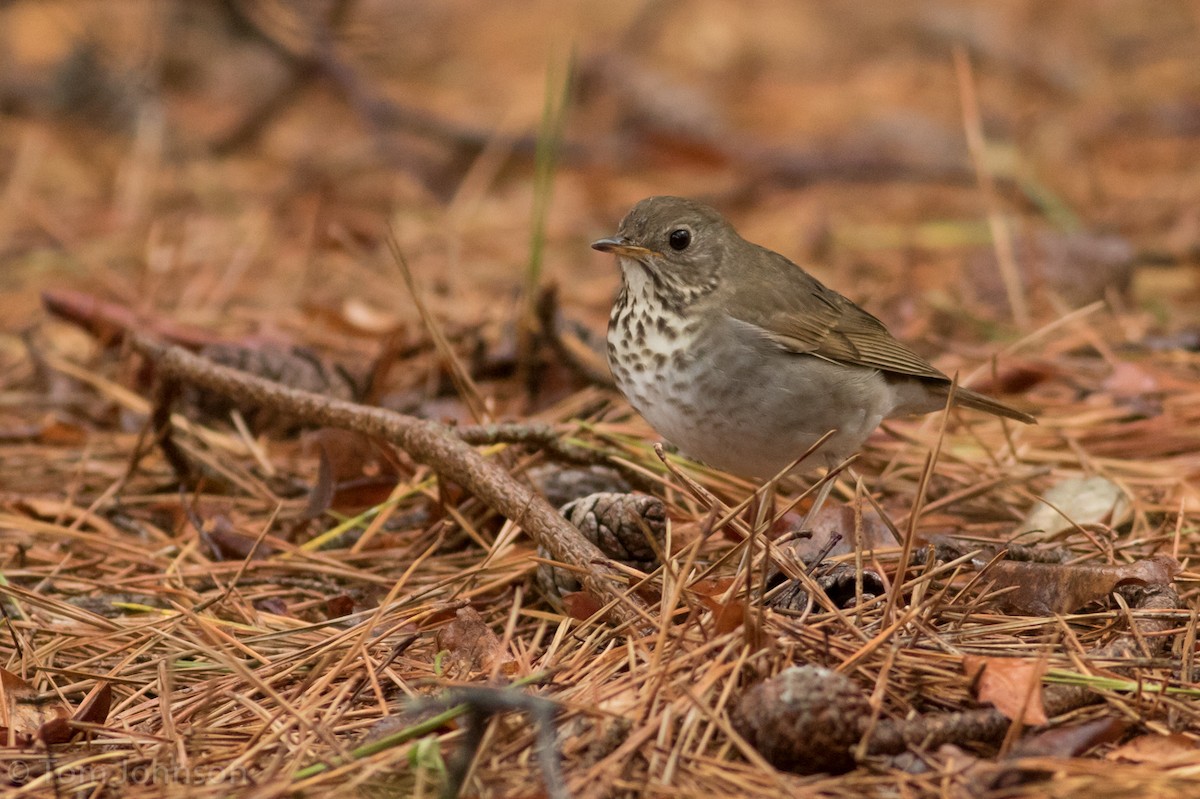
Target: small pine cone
x=616 y=523
x=806 y=719
x=619 y=523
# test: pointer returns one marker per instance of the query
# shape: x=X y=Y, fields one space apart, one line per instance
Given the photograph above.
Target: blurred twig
x=426 y=442
x=1002 y=238
x=554 y=114
x=322 y=60
x=870 y=157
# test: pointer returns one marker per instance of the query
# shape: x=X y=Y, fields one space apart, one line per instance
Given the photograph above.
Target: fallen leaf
x=57 y=432
x=712 y=586
x=108 y=321
x=1158 y=750
x=833 y=519
x=225 y=541
x=1078 y=501
x=354 y=471
x=56 y=731
x=320 y=499
x=273 y=605
x=362 y=317
x=1066 y=741
x=839 y=584
x=338 y=606
x=95 y=706
x=581 y=605
x=24 y=713
x=472 y=644
x=1017 y=377
x=1046 y=588
x=1011 y=685
x=1070 y=740
x=730 y=616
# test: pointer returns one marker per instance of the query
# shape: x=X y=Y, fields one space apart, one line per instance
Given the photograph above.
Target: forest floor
x=213 y=587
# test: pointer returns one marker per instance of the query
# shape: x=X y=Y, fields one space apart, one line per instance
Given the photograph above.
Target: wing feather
x=836 y=329
x=799 y=314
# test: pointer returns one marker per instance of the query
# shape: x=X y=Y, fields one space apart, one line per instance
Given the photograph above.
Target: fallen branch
x=549 y=440
x=425 y=442
x=484 y=702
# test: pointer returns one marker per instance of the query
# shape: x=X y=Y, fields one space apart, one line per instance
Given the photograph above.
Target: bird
x=744 y=361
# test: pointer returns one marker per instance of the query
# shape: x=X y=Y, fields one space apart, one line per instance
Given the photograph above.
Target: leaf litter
x=325 y=612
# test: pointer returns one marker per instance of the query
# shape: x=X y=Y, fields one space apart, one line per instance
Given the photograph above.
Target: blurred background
x=968 y=170
x=1015 y=180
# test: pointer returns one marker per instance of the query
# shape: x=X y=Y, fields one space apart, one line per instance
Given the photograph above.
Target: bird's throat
x=675 y=293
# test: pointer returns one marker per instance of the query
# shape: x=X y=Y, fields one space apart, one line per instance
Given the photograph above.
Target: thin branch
x=426 y=442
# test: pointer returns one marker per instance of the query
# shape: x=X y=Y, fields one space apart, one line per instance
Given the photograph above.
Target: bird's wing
x=803 y=316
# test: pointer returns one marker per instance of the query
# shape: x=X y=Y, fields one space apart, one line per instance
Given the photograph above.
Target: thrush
x=742 y=359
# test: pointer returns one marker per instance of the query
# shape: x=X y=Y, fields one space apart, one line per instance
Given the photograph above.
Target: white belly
x=741 y=404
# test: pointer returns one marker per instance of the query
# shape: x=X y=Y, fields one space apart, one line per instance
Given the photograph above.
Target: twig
x=482 y=703
x=426 y=442
x=1010 y=273
x=549 y=440
x=380 y=113
x=574 y=351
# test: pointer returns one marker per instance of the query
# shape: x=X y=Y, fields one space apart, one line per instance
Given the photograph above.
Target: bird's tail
x=981 y=402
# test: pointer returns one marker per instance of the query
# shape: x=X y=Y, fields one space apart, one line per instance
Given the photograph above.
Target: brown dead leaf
x=58 y=432
x=320 y=499
x=1158 y=750
x=225 y=541
x=685 y=534
x=730 y=616
x=472 y=644
x=274 y=605
x=1047 y=588
x=95 y=706
x=1066 y=741
x=108 y=321
x=1070 y=740
x=839 y=520
x=362 y=317
x=840 y=583
x=1011 y=685
x=338 y=606
x=581 y=605
x=56 y=731
x=1017 y=377
x=24 y=714
x=710 y=587
x=355 y=471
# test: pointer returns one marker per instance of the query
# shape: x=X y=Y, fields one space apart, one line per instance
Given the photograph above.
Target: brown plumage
x=742 y=359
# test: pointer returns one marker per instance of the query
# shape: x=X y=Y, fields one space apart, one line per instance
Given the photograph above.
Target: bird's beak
x=622 y=246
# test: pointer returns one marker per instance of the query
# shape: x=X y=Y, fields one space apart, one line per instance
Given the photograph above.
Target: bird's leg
x=825 y=485
x=761 y=507
x=822 y=495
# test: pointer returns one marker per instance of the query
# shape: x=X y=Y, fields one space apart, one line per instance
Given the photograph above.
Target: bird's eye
x=680 y=239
